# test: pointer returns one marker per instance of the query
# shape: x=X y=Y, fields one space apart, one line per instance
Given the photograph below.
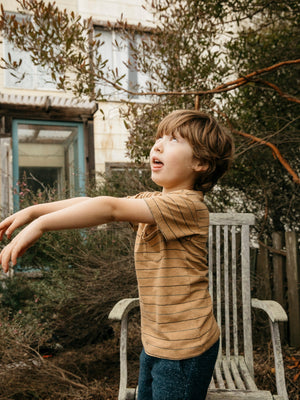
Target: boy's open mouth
x=156 y=162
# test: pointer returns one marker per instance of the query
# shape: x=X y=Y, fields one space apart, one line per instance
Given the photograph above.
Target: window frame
x=39 y=73
x=133 y=79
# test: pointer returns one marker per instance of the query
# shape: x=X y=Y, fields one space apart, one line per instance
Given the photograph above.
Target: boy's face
x=173 y=166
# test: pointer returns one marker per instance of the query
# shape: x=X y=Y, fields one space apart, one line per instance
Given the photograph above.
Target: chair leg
x=279 y=367
x=123 y=359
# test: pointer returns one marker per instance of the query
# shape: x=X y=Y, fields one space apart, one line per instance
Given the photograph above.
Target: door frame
x=15 y=153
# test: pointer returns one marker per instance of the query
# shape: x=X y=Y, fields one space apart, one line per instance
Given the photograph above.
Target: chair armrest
x=274 y=310
x=276 y=314
x=120 y=313
x=122 y=308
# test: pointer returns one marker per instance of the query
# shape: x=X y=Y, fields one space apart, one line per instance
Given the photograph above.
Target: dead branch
x=272 y=250
x=274 y=149
x=278 y=90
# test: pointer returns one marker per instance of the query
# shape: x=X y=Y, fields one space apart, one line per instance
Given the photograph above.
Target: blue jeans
x=187 y=379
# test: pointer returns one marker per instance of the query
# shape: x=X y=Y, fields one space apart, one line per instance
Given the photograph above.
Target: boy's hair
x=211 y=144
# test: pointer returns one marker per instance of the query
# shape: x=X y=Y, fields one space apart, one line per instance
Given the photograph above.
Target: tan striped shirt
x=170 y=258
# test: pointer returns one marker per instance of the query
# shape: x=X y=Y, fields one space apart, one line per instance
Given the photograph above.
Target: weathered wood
x=211 y=261
x=228 y=378
x=273 y=249
x=212 y=384
x=226 y=293
x=236 y=375
x=123 y=307
x=278 y=274
x=279 y=367
x=246 y=298
x=233 y=376
x=234 y=291
x=293 y=276
x=238 y=395
x=276 y=314
x=263 y=273
x=131 y=394
x=218 y=285
x=246 y=375
x=120 y=313
x=231 y=219
x=274 y=310
x=218 y=375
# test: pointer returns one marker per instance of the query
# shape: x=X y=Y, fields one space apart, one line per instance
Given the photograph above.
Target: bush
x=84 y=273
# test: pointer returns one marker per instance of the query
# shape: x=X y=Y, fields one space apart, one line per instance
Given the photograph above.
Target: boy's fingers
x=6 y=228
x=4 y=259
x=10 y=254
x=3 y=229
x=13 y=258
x=9 y=231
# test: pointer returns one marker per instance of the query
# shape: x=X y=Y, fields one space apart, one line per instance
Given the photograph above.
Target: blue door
x=48 y=155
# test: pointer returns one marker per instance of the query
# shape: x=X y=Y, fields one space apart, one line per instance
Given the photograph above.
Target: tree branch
x=276 y=251
x=278 y=90
x=274 y=149
x=226 y=87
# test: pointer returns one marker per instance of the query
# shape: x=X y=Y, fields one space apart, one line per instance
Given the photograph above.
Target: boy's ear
x=199 y=167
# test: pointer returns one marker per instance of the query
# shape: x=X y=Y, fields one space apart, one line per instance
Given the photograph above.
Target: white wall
x=110 y=134
x=113 y=9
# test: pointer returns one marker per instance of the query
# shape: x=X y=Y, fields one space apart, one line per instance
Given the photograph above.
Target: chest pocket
x=151 y=235
x=148 y=244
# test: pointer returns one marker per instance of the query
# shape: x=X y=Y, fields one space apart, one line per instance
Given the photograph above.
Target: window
x=35 y=77
x=118 y=52
x=48 y=154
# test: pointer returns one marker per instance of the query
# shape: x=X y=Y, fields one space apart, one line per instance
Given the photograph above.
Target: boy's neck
x=167 y=190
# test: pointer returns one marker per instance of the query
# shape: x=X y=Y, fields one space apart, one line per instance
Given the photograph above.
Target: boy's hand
x=18 y=246
x=11 y=223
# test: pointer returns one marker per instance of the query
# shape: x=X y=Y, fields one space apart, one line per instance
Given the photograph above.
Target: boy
x=179 y=332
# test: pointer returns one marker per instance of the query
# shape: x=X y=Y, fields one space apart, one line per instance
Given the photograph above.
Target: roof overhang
x=47 y=105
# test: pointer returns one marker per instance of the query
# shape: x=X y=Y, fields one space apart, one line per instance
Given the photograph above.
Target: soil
x=101 y=365
x=91 y=372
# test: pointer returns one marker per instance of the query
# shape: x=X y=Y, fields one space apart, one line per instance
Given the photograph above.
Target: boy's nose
x=158 y=145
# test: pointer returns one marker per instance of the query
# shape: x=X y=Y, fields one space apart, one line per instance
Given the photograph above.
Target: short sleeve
x=141 y=195
x=179 y=214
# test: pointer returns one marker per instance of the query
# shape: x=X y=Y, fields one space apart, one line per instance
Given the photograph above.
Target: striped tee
x=170 y=259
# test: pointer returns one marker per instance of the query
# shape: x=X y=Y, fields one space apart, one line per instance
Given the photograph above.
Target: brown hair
x=211 y=144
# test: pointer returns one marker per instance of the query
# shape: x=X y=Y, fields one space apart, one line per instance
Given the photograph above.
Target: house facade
x=48 y=135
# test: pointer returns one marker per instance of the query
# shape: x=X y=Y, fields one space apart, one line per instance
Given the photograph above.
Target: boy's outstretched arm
x=91 y=212
x=22 y=217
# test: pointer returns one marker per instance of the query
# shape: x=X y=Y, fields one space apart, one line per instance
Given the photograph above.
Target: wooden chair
x=229 y=283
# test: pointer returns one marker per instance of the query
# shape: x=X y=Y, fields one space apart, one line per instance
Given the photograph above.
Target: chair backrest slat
x=246 y=296
x=226 y=292
x=211 y=261
x=218 y=284
x=234 y=293
x=229 y=282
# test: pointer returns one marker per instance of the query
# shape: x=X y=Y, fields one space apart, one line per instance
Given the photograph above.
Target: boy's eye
x=169 y=137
